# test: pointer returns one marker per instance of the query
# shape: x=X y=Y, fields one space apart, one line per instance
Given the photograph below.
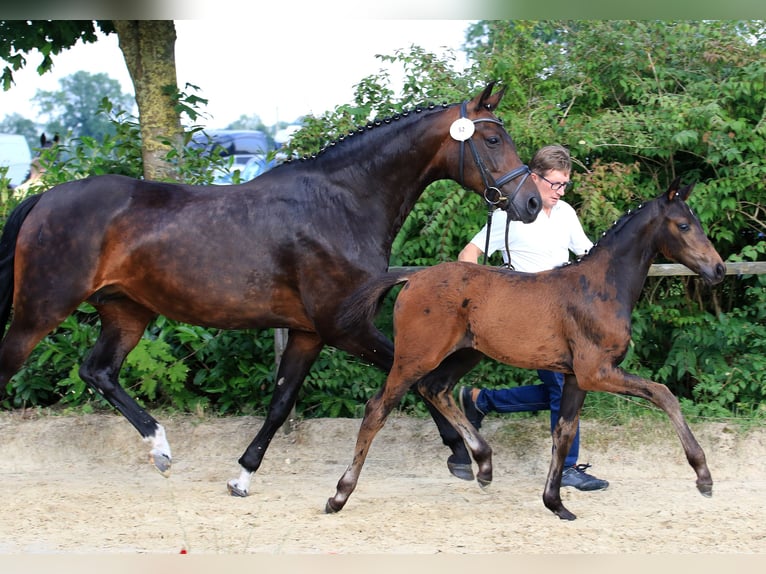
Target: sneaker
x=577 y=477
x=468 y=406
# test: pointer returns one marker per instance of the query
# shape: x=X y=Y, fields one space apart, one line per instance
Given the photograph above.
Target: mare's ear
x=487 y=100
x=675 y=190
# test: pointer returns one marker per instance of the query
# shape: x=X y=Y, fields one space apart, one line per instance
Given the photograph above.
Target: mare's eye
x=493 y=140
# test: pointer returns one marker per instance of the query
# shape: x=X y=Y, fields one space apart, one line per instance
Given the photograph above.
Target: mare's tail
x=8 y=253
x=363 y=304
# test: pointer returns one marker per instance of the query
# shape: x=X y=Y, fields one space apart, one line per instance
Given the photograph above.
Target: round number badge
x=461 y=129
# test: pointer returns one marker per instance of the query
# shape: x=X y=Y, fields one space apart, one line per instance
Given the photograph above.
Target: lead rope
x=507 y=264
x=490 y=210
x=508 y=249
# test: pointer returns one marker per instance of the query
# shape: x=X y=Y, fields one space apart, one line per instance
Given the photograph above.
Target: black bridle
x=491 y=185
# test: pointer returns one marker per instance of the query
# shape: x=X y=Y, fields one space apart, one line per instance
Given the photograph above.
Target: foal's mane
x=606 y=236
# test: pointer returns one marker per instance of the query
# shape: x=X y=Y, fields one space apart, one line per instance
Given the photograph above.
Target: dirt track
x=81 y=484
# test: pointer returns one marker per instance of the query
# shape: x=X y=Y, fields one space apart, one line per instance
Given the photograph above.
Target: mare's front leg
x=122 y=324
x=300 y=353
x=564 y=432
x=375 y=413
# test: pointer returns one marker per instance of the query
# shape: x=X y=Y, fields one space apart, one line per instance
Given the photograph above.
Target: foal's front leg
x=434 y=388
x=564 y=432
x=437 y=387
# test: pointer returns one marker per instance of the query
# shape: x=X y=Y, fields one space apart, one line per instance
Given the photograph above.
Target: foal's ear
x=487 y=100
x=680 y=192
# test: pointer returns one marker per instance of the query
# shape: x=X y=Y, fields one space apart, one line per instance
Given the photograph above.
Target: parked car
x=16 y=157
x=248 y=148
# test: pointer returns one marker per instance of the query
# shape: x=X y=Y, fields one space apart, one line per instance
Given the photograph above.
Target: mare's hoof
x=462 y=470
x=706 y=490
x=161 y=462
x=234 y=490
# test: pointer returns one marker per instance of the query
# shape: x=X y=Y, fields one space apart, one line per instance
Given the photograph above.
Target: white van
x=15 y=155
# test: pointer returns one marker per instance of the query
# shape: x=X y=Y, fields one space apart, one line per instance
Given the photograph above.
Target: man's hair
x=549 y=158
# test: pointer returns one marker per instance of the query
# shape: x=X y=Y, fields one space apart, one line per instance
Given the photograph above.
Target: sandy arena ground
x=81 y=484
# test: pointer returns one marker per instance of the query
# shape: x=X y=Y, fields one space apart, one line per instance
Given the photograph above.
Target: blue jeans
x=531 y=398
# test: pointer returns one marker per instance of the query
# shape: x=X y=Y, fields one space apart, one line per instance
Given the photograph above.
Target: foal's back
x=529 y=320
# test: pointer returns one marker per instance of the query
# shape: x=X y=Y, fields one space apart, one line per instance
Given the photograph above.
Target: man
x=533 y=247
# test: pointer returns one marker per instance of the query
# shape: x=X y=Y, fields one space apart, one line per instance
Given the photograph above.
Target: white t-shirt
x=538 y=246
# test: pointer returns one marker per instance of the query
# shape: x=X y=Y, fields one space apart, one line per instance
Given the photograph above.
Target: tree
x=72 y=109
x=148 y=48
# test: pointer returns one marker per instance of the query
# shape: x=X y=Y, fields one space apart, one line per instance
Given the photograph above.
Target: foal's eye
x=683 y=226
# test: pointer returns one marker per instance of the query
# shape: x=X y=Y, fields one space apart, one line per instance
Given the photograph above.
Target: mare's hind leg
x=122 y=324
x=300 y=353
x=564 y=432
x=375 y=414
x=26 y=331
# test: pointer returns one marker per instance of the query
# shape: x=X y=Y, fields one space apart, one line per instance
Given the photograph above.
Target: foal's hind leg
x=368 y=343
x=300 y=353
x=122 y=324
x=375 y=414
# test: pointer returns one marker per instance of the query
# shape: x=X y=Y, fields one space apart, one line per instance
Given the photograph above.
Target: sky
x=276 y=69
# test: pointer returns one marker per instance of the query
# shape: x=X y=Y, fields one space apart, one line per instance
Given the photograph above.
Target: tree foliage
x=48 y=37
x=73 y=109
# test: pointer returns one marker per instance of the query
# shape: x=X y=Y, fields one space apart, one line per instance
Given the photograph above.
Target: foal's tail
x=363 y=304
x=8 y=253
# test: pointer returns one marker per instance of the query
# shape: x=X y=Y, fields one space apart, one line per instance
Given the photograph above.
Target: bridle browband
x=491 y=184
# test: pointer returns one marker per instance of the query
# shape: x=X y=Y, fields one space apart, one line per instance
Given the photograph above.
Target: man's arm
x=470 y=253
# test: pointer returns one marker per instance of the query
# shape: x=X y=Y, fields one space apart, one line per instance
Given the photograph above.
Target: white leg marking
x=160 y=454
x=240 y=486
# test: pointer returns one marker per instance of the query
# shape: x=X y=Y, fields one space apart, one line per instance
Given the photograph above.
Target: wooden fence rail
x=668 y=269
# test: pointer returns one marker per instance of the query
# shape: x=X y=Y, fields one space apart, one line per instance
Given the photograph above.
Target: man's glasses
x=557 y=185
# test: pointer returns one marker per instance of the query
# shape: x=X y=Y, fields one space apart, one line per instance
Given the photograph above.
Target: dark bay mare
x=282 y=251
x=575 y=319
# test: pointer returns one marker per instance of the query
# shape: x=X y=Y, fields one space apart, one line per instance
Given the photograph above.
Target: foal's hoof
x=234 y=490
x=706 y=490
x=461 y=470
x=161 y=462
x=564 y=514
x=484 y=483
x=329 y=508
